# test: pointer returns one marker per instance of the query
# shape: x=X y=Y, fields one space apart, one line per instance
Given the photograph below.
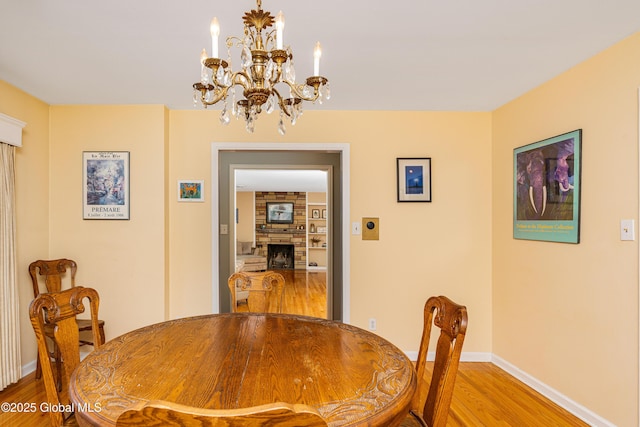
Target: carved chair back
x=171 y=414
x=265 y=291
x=431 y=403
x=53 y=272
x=58 y=310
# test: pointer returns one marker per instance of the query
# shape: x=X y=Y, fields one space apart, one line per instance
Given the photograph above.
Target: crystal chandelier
x=267 y=72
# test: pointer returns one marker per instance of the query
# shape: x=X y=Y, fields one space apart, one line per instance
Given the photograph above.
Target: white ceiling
x=281 y=180
x=464 y=55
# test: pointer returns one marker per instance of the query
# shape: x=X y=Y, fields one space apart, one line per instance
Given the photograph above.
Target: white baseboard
x=555 y=396
x=28 y=368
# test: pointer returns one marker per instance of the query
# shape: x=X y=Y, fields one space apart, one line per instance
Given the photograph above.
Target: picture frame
x=105 y=185
x=315 y=213
x=546 y=189
x=324 y=214
x=279 y=212
x=414 y=179
x=191 y=190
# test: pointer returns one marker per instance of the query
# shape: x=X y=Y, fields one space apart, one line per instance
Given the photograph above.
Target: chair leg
x=55 y=354
x=101 y=334
x=58 y=358
x=38 y=367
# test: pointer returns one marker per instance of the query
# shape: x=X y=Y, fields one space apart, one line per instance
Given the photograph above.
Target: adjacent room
x=258 y=210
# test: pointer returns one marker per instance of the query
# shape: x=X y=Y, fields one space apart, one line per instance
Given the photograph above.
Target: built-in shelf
x=317 y=255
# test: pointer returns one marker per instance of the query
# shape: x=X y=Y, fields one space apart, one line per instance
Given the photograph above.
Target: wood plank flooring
x=484 y=395
x=305 y=293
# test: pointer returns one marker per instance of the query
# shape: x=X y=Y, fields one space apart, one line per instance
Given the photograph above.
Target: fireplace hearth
x=280 y=257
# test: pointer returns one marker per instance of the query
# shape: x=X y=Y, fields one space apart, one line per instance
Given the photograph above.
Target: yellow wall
x=246 y=226
x=433 y=248
x=123 y=260
x=568 y=314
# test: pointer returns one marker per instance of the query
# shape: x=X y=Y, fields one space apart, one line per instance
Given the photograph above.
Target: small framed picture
x=324 y=213
x=191 y=190
x=315 y=213
x=105 y=184
x=414 y=179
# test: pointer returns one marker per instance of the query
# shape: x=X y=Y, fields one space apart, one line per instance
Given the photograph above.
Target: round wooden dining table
x=228 y=361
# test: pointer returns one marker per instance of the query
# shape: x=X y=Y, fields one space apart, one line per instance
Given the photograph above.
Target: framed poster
x=191 y=190
x=546 y=189
x=279 y=213
x=105 y=184
x=414 y=179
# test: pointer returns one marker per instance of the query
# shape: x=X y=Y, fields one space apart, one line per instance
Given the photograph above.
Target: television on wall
x=279 y=213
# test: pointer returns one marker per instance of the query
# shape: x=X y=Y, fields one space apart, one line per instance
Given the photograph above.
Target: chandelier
x=267 y=76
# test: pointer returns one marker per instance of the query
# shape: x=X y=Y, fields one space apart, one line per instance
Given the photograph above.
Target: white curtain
x=10 y=363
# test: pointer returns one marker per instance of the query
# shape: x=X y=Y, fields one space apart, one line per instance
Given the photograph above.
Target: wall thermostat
x=370 y=228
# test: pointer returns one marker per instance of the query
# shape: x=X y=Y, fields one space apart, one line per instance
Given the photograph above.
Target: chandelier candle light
x=267 y=69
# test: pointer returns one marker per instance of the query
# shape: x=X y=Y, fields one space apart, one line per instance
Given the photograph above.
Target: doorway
x=281 y=155
x=281 y=224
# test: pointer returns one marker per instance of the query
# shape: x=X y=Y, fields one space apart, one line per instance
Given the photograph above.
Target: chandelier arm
x=298 y=88
x=219 y=93
x=281 y=103
x=236 y=80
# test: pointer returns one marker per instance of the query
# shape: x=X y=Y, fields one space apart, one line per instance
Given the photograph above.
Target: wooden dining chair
x=168 y=414
x=57 y=311
x=52 y=273
x=431 y=402
x=264 y=291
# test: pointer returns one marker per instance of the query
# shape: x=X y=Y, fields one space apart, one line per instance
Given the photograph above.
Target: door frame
x=341 y=148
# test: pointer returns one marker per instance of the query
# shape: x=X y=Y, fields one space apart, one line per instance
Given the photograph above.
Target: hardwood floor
x=484 y=395
x=305 y=293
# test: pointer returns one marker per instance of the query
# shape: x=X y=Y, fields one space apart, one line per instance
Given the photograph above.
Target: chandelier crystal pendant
x=267 y=69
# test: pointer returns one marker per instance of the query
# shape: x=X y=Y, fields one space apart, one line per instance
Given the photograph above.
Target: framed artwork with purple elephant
x=546 y=189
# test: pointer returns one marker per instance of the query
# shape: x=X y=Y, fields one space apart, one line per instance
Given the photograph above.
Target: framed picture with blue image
x=414 y=179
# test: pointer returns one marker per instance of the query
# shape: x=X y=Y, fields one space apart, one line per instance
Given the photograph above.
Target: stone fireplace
x=268 y=234
x=280 y=257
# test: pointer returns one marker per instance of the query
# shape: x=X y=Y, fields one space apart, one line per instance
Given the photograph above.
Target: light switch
x=355 y=228
x=627 y=231
x=224 y=229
